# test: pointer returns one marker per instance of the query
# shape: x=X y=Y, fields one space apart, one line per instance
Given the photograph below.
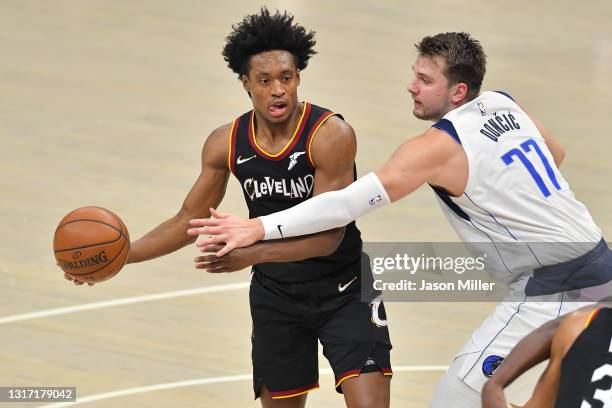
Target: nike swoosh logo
x=342 y=288
x=280 y=230
x=240 y=160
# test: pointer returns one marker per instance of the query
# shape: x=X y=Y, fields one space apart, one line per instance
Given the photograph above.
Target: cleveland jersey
x=275 y=182
x=586 y=369
x=515 y=194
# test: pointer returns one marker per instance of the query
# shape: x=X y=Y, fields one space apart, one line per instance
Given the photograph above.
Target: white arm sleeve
x=328 y=210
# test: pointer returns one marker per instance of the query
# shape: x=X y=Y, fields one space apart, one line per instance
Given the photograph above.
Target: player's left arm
x=333 y=151
x=557 y=151
x=553 y=144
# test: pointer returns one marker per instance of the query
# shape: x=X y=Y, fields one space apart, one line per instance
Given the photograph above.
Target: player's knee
x=367 y=391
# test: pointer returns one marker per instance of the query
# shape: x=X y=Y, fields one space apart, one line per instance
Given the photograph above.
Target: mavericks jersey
x=586 y=369
x=515 y=195
x=275 y=182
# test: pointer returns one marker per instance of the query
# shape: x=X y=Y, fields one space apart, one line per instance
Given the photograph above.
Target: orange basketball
x=91 y=244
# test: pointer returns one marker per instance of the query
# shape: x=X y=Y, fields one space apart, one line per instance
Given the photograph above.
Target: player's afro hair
x=266 y=32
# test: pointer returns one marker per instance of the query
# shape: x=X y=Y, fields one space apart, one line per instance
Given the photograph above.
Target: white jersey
x=515 y=194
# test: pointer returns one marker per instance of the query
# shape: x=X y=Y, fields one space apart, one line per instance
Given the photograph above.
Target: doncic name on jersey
x=298 y=187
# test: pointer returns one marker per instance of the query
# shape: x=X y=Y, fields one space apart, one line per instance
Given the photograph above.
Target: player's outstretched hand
x=236 y=260
x=227 y=230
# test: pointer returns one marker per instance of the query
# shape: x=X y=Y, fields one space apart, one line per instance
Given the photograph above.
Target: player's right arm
x=532 y=350
x=545 y=393
x=206 y=193
x=433 y=157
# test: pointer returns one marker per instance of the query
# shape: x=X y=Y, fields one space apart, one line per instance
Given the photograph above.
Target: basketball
x=91 y=244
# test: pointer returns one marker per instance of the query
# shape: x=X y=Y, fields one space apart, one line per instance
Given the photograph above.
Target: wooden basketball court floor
x=109 y=102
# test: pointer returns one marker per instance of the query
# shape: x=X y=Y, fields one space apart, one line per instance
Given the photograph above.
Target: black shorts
x=290 y=317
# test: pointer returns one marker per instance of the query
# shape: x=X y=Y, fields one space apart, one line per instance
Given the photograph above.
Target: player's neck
x=450 y=108
x=269 y=131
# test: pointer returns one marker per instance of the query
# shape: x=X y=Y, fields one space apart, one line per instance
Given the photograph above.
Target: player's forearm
x=493 y=396
x=166 y=238
x=328 y=210
x=530 y=351
x=298 y=249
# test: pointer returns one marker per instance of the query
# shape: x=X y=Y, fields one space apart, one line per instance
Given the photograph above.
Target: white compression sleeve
x=328 y=210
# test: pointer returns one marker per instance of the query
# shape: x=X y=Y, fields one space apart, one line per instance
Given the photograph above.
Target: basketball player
x=579 y=372
x=283 y=152
x=495 y=171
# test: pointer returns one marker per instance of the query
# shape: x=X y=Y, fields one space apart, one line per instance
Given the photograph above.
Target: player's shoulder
x=334 y=142
x=216 y=145
x=580 y=317
x=504 y=93
x=336 y=130
x=571 y=326
x=220 y=133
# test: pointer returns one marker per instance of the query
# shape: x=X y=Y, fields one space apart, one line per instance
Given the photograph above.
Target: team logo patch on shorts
x=491 y=364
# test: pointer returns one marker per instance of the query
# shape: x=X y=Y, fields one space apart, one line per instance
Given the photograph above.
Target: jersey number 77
x=526 y=147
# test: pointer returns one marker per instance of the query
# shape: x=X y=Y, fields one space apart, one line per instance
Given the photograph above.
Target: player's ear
x=297 y=76
x=245 y=83
x=459 y=92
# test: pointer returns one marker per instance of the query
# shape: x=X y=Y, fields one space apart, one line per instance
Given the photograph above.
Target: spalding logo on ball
x=91 y=244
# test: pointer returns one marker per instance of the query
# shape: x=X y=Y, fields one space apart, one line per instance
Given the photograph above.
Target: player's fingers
x=212 y=248
x=214 y=269
x=219 y=269
x=197 y=222
x=218 y=214
x=76 y=282
x=204 y=222
x=67 y=277
x=227 y=248
x=212 y=240
x=207 y=259
x=208 y=266
x=214 y=230
x=197 y=231
x=90 y=283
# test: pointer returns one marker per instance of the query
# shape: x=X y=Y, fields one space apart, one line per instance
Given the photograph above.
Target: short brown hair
x=465 y=59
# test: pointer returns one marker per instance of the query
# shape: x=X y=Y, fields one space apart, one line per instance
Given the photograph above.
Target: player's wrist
x=258 y=253
x=258 y=228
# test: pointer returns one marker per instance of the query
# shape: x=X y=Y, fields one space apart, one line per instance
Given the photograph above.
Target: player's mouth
x=277 y=109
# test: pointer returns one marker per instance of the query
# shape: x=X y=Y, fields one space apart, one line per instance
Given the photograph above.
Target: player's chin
x=418 y=112
x=422 y=115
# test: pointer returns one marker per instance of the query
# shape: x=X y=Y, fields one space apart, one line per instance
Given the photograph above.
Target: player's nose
x=278 y=88
x=412 y=87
